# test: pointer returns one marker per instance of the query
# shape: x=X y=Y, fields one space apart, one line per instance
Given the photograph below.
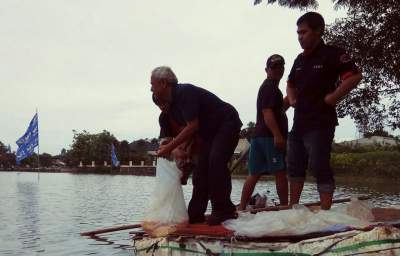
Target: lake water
x=44 y=214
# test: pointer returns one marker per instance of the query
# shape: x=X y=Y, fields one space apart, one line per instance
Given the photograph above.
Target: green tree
x=139 y=150
x=30 y=161
x=88 y=147
x=7 y=159
x=371 y=34
x=45 y=160
x=3 y=148
x=124 y=152
x=3 y=152
x=248 y=131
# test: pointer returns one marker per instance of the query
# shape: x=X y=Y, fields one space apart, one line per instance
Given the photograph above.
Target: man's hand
x=164 y=151
x=179 y=153
x=291 y=94
x=292 y=102
x=280 y=142
x=330 y=99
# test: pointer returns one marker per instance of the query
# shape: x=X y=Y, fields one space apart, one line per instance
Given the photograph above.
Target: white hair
x=164 y=73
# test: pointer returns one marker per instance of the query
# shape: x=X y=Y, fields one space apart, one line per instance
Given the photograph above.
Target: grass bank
x=377 y=163
x=383 y=164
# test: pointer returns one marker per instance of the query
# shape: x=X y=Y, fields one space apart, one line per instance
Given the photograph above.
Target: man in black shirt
x=218 y=124
x=320 y=77
x=185 y=154
x=268 y=144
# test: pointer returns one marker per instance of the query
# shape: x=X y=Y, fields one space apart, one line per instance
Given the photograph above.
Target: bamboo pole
x=317 y=203
x=111 y=229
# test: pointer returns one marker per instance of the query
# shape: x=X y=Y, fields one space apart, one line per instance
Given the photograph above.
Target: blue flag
x=114 y=158
x=28 y=142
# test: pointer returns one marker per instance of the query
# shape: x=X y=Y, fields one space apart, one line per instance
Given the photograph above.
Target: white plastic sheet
x=297 y=221
x=167 y=206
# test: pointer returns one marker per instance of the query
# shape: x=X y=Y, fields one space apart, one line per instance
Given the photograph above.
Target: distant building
x=373 y=140
x=59 y=163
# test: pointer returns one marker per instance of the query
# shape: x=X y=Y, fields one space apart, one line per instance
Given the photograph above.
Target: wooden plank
x=111 y=229
x=386 y=214
x=317 y=203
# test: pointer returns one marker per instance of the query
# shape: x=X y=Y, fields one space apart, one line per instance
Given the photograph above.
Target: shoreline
x=150 y=171
x=129 y=170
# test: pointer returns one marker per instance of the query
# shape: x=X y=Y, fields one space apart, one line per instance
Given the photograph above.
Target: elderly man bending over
x=218 y=124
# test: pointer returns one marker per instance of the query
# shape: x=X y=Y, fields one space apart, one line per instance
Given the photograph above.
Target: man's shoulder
x=298 y=57
x=331 y=49
x=269 y=81
x=263 y=86
x=269 y=86
x=163 y=118
x=185 y=86
x=264 y=83
x=183 y=90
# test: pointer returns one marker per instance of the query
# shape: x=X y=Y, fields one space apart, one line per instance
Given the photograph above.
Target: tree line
x=87 y=147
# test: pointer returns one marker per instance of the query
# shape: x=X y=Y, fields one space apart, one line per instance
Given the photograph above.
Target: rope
x=333 y=244
x=368 y=252
x=365 y=244
x=208 y=251
x=153 y=247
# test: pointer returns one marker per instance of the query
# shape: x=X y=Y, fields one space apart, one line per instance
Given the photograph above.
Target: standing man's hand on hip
x=330 y=99
x=280 y=142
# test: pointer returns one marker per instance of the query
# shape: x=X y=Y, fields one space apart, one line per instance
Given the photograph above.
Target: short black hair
x=314 y=20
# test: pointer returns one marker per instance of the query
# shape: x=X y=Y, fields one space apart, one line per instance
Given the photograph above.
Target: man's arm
x=291 y=93
x=187 y=132
x=343 y=89
x=270 y=122
x=286 y=104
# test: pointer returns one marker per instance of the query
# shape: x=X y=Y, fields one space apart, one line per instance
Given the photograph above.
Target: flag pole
x=38 y=150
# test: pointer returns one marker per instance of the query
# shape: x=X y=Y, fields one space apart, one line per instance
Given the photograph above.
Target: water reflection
x=27 y=216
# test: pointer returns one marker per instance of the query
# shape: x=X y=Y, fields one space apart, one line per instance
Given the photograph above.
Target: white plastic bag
x=167 y=207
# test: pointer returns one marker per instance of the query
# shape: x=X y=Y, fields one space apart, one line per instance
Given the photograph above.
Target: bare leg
x=282 y=187
x=248 y=188
x=326 y=200
x=296 y=187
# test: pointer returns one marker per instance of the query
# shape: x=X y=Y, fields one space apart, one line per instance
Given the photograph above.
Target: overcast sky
x=86 y=64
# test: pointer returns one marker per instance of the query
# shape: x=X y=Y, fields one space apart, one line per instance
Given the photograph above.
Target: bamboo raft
x=381 y=238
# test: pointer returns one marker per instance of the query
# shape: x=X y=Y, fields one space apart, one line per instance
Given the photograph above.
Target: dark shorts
x=264 y=158
x=312 y=150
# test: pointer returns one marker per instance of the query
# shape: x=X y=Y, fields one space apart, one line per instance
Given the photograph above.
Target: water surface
x=44 y=214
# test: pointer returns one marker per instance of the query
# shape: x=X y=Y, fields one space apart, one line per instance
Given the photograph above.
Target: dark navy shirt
x=165 y=126
x=190 y=102
x=269 y=96
x=314 y=76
